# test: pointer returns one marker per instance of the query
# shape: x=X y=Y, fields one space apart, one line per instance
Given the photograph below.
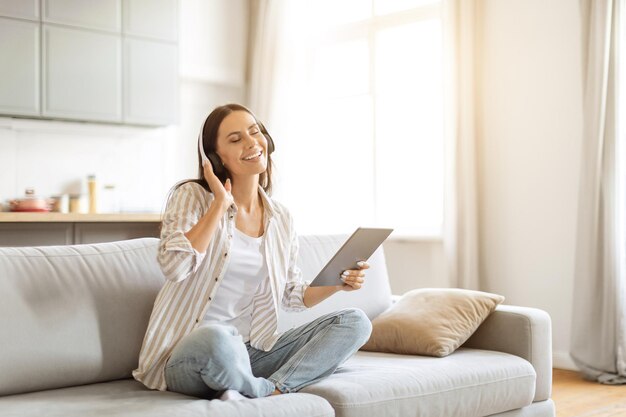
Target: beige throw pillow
x=431 y=321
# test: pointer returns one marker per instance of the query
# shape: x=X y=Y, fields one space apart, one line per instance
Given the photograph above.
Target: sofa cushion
x=76 y=314
x=373 y=298
x=431 y=321
x=469 y=382
x=130 y=398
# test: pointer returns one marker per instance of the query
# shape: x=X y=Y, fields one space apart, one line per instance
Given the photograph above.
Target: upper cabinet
x=21 y=9
x=150 y=82
x=101 y=14
x=19 y=67
x=112 y=61
x=89 y=88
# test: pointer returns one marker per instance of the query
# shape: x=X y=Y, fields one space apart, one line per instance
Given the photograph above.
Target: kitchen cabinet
x=33 y=234
x=43 y=229
x=45 y=234
x=157 y=19
x=112 y=61
x=19 y=67
x=21 y=9
x=150 y=82
x=81 y=74
x=101 y=15
x=111 y=232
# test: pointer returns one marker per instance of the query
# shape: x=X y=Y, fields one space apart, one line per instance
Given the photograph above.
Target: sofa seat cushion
x=469 y=382
x=130 y=398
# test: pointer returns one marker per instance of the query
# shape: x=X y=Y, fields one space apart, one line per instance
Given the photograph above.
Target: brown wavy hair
x=209 y=144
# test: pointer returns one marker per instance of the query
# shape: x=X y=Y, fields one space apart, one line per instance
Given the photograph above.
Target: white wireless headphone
x=215 y=160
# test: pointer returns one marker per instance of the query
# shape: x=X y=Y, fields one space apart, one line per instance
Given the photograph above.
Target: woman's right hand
x=221 y=192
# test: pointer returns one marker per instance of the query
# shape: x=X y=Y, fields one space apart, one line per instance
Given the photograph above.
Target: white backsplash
x=55 y=157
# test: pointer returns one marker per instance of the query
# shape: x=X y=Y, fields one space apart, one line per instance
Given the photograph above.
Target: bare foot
x=276 y=392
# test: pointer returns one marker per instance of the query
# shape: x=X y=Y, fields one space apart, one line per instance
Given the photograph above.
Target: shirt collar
x=268 y=204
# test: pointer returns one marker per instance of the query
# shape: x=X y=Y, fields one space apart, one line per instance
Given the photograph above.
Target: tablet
x=360 y=246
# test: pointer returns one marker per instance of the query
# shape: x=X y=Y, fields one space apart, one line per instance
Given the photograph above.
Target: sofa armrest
x=524 y=332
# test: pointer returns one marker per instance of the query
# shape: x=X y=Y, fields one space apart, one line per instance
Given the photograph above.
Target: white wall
x=415 y=264
x=530 y=132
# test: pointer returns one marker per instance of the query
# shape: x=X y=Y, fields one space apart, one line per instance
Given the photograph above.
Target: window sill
x=405 y=237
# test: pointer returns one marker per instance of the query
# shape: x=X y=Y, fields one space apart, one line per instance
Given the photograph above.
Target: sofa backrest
x=77 y=314
x=373 y=298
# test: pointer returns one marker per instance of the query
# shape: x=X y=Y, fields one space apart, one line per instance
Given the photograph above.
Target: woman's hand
x=353 y=278
x=222 y=192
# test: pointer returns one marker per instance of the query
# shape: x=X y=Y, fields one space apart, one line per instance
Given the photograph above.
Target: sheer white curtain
x=283 y=90
x=266 y=30
x=460 y=217
x=598 y=323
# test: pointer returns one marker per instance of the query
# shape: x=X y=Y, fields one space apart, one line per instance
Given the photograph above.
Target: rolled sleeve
x=293 y=296
x=177 y=258
x=293 y=299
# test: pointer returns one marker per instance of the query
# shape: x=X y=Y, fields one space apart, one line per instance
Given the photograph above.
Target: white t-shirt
x=245 y=272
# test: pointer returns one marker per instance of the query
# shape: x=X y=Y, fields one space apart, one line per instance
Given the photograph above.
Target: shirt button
x=216 y=278
x=226 y=254
x=209 y=298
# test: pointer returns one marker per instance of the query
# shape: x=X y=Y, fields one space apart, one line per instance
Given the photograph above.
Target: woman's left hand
x=353 y=279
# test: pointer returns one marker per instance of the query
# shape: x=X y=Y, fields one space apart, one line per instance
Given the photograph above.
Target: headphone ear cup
x=216 y=163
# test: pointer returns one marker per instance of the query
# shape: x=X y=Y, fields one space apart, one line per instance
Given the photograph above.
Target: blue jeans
x=213 y=358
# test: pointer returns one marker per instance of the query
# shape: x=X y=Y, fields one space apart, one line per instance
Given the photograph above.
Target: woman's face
x=239 y=137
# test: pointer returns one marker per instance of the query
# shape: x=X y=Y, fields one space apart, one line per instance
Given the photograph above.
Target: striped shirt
x=192 y=278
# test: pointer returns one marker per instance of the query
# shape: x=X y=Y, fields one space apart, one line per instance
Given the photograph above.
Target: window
x=360 y=116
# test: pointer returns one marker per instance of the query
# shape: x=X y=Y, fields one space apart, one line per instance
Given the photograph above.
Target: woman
x=229 y=254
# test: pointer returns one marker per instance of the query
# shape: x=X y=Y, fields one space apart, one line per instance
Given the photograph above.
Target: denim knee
x=207 y=341
x=359 y=322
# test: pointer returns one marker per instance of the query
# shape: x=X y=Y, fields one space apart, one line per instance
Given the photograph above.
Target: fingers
x=352 y=279
x=353 y=273
x=353 y=284
x=208 y=170
x=207 y=165
x=212 y=179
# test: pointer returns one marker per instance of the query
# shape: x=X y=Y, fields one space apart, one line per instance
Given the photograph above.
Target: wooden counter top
x=9 y=217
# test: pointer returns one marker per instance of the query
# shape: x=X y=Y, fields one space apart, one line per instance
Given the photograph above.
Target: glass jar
x=61 y=203
x=93 y=193
x=76 y=203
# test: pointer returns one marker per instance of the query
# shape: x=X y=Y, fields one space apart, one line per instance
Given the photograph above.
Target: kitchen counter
x=40 y=229
x=10 y=217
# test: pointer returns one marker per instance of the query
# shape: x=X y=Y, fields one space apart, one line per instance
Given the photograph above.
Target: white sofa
x=72 y=320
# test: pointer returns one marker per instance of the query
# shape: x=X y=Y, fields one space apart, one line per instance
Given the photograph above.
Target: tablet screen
x=360 y=246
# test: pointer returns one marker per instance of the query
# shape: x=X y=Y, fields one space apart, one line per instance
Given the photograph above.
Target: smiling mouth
x=255 y=158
